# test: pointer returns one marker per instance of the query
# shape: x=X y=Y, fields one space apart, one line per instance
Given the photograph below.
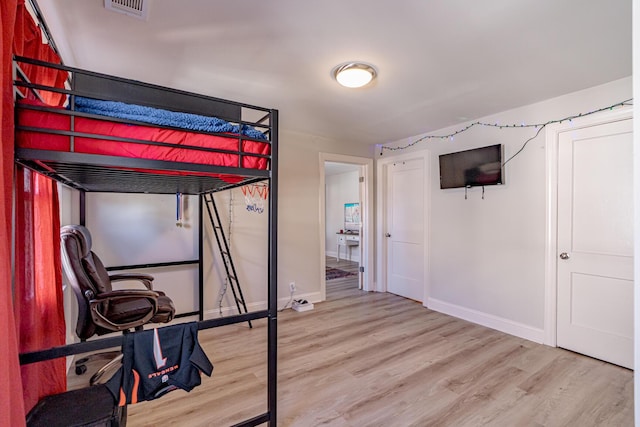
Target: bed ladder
x=223 y=246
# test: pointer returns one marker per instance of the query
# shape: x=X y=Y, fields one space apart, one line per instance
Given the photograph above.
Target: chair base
x=106 y=371
x=87 y=407
x=89 y=359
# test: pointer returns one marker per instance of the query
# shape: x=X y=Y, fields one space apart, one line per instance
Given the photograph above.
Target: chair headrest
x=81 y=234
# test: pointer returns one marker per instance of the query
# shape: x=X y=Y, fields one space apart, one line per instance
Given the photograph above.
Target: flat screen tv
x=472 y=168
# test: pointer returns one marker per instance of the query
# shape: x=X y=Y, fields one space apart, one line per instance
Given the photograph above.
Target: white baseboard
x=489 y=320
x=313 y=297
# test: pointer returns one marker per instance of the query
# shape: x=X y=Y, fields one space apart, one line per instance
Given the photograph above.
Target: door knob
x=387 y=235
x=564 y=255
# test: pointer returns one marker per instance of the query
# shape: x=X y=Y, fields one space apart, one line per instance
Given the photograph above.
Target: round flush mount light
x=354 y=74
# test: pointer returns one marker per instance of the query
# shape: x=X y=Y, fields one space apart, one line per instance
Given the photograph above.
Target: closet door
x=405 y=229
x=595 y=242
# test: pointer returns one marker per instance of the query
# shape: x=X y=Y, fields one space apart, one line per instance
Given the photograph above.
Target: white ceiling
x=440 y=62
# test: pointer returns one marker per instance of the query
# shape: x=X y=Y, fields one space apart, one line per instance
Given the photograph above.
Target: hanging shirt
x=158 y=361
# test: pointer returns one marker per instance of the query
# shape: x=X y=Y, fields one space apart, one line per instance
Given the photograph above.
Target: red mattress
x=181 y=152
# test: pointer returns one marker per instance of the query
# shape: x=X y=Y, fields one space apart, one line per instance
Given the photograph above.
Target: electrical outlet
x=292 y=287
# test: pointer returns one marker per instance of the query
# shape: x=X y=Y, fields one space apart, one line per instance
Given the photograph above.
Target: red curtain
x=38 y=278
x=11 y=403
x=37 y=294
x=28 y=43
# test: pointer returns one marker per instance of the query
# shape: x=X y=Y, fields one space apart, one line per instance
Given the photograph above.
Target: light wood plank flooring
x=369 y=359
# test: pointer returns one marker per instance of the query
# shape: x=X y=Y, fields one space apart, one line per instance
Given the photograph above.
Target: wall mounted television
x=472 y=168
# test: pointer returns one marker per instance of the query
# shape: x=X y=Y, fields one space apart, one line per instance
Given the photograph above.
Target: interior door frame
x=381 y=212
x=552 y=134
x=366 y=211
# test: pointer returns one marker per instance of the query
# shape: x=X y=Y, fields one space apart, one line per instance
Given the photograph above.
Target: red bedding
x=179 y=153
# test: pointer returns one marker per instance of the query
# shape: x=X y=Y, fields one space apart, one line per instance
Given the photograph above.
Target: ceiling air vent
x=136 y=8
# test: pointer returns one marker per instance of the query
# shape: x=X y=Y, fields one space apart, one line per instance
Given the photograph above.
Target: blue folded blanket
x=161 y=117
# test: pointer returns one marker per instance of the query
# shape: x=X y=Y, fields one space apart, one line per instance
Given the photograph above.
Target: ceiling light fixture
x=354 y=74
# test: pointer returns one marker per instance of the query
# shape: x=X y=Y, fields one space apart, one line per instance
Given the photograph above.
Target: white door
x=405 y=228
x=595 y=242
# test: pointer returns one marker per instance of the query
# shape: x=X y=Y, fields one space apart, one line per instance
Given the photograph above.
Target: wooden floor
x=372 y=359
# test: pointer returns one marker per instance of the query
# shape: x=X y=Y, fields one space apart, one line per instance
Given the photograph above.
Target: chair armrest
x=146 y=279
x=114 y=296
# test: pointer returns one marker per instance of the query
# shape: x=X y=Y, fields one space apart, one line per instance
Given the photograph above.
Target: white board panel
x=130 y=229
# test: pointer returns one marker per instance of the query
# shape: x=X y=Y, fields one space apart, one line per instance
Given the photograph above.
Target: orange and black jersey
x=158 y=361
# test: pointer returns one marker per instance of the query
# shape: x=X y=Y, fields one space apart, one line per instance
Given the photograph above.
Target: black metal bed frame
x=100 y=173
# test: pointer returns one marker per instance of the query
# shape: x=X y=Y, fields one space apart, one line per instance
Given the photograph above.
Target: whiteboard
x=130 y=229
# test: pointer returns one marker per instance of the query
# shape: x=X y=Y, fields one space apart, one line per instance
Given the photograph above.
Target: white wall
x=299 y=204
x=340 y=189
x=487 y=257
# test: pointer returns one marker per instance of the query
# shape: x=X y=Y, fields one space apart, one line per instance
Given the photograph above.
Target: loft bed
x=119 y=135
x=84 y=149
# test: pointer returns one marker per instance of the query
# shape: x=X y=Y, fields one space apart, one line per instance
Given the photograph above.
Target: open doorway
x=342 y=228
x=346 y=224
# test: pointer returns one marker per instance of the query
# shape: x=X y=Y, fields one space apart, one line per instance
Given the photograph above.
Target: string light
x=499 y=126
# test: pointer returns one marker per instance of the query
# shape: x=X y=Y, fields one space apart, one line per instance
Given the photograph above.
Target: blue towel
x=157 y=116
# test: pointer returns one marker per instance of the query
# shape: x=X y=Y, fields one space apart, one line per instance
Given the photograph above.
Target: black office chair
x=101 y=309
